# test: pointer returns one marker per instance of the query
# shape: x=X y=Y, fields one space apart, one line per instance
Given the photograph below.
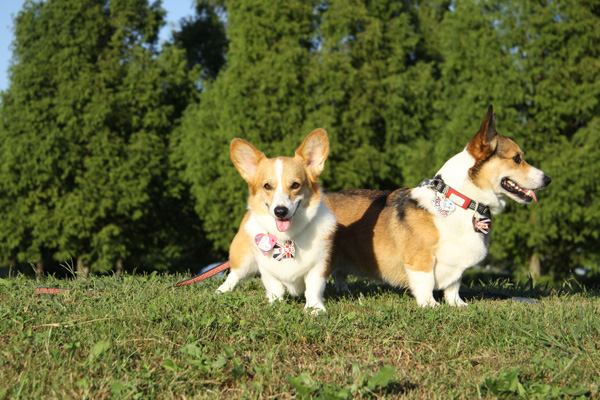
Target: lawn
x=136 y=337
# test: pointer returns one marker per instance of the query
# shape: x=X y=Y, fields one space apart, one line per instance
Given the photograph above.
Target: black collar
x=438 y=184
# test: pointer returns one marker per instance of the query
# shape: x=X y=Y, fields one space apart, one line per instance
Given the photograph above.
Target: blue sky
x=176 y=9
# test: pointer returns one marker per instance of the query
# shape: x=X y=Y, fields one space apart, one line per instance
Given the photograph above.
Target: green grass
x=142 y=339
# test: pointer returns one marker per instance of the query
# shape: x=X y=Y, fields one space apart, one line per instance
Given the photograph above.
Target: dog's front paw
x=274 y=297
x=453 y=299
x=316 y=309
x=429 y=302
x=458 y=302
x=222 y=289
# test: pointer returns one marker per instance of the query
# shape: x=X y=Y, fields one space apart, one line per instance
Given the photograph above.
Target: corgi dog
x=424 y=238
x=287 y=233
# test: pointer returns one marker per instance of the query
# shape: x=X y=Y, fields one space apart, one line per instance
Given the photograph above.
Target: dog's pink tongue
x=531 y=194
x=283 y=224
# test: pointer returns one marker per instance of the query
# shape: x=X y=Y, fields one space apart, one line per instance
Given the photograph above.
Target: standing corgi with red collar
x=287 y=233
x=424 y=238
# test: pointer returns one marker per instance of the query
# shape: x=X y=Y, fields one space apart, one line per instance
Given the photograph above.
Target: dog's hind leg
x=340 y=278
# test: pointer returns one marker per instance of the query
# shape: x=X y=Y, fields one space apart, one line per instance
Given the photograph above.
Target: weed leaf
x=99 y=348
x=304 y=384
x=170 y=365
x=382 y=377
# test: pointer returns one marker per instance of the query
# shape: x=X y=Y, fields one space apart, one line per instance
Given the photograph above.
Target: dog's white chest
x=291 y=257
x=459 y=246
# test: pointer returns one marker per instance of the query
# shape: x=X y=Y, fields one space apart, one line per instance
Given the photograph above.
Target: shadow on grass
x=397 y=388
x=478 y=288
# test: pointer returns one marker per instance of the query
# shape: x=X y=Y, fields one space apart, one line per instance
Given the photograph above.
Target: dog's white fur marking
x=280 y=199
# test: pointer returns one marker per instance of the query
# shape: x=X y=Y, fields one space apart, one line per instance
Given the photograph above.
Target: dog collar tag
x=443 y=205
x=265 y=242
x=482 y=225
x=285 y=250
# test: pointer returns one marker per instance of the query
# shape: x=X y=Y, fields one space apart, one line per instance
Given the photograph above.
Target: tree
x=203 y=38
x=373 y=89
x=85 y=135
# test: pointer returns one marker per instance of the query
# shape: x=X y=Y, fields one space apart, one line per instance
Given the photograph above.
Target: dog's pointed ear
x=485 y=141
x=245 y=157
x=314 y=151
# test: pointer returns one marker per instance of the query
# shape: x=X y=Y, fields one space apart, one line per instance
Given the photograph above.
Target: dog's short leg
x=341 y=280
x=451 y=295
x=421 y=286
x=275 y=289
x=315 y=289
x=232 y=280
x=246 y=269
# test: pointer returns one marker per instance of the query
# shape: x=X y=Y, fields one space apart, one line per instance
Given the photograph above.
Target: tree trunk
x=12 y=268
x=83 y=271
x=119 y=266
x=535 y=266
x=39 y=269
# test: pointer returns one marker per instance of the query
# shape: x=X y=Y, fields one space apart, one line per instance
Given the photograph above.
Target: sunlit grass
x=136 y=337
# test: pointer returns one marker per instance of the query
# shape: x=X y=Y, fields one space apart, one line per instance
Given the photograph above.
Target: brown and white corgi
x=424 y=238
x=287 y=233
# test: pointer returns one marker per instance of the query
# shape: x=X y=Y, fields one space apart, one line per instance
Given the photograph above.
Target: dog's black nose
x=280 y=211
x=547 y=180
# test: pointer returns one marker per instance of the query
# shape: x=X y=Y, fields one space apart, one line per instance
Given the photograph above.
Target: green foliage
x=203 y=38
x=85 y=135
x=508 y=383
x=307 y=387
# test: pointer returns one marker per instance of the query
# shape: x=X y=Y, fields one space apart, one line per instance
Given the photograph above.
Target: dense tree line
x=114 y=151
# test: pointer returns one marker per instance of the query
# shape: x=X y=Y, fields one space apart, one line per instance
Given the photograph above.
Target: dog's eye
x=267 y=186
x=295 y=185
x=517 y=159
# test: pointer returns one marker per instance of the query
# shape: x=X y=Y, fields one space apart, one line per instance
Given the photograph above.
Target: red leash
x=205 y=275
x=50 y=290
x=198 y=278
x=54 y=291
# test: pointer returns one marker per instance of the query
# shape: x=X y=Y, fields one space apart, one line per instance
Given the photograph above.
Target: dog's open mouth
x=283 y=224
x=526 y=195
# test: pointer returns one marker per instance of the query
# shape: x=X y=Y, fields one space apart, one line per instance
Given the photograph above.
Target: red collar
x=457 y=198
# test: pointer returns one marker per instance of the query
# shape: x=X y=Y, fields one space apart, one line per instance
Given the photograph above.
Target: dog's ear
x=314 y=151
x=245 y=157
x=485 y=141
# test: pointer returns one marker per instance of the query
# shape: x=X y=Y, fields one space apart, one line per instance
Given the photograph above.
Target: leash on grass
x=52 y=291
x=204 y=275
